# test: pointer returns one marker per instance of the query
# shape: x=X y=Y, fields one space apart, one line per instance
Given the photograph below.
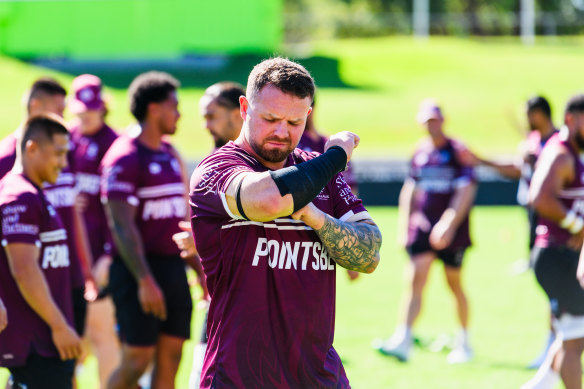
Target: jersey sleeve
x=210 y=181
x=21 y=220
x=119 y=178
x=345 y=203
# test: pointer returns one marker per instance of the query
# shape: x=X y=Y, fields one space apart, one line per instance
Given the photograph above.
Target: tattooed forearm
x=354 y=246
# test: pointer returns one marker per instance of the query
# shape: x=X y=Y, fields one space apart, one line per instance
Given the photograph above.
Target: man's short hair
x=539 y=103
x=225 y=94
x=286 y=75
x=41 y=129
x=575 y=104
x=150 y=87
x=45 y=86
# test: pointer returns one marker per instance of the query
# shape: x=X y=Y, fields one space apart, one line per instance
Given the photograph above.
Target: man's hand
x=348 y=141
x=185 y=240
x=151 y=297
x=575 y=242
x=3 y=317
x=67 y=341
x=442 y=235
x=310 y=215
x=91 y=291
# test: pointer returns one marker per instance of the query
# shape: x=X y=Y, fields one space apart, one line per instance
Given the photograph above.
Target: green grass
x=508 y=314
x=482 y=84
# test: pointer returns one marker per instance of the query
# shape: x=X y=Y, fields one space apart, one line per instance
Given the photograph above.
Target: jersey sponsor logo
x=61 y=197
x=167 y=208
x=288 y=255
x=175 y=166
x=11 y=224
x=154 y=168
x=88 y=183
x=92 y=150
x=55 y=257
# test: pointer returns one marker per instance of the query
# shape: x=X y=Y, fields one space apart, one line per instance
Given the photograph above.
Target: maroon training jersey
x=7 y=154
x=152 y=181
x=62 y=196
x=27 y=217
x=86 y=155
x=272 y=285
x=549 y=233
x=437 y=173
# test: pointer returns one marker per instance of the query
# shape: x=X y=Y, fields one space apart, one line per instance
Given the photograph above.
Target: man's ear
x=153 y=109
x=243 y=107
x=31 y=146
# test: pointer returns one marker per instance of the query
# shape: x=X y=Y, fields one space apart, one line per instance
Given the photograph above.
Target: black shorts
x=79 y=310
x=555 y=269
x=43 y=373
x=451 y=257
x=137 y=328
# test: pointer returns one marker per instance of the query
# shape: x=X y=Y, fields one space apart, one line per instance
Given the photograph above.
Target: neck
x=438 y=140
x=30 y=173
x=547 y=130
x=244 y=144
x=150 y=136
x=90 y=130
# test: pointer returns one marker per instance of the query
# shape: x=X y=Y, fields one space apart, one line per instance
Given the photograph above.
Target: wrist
x=146 y=279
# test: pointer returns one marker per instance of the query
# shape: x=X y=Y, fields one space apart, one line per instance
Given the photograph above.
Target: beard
x=579 y=141
x=219 y=142
x=272 y=155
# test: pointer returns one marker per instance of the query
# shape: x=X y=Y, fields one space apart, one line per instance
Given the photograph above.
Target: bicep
x=550 y=175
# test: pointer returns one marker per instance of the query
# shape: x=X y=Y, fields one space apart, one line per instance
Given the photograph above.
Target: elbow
x=272 y=207
x=373 y=265
x=20 y=273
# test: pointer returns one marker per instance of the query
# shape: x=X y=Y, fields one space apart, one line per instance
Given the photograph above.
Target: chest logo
x=154 y=168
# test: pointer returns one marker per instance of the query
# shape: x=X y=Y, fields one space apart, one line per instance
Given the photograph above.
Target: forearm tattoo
x=354 y=246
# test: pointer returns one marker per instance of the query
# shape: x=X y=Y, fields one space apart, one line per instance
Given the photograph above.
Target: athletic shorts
x=451 y=257
x=43 y=373
x=555 y=269
x=79 y=310
x=137 y=328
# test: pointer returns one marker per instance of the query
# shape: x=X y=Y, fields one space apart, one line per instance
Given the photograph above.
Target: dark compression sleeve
x=305 y=180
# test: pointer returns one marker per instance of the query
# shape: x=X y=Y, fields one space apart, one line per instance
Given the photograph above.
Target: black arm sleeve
x=305 y=180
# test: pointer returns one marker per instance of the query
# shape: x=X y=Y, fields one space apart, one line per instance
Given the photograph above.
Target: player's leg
x=462 y=351
x=102 y=336
x=166 y=362
x=139 y=331
x=135 y=361
x=570 y=361
x=400 y=343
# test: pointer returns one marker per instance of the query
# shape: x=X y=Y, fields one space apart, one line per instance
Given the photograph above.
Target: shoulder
x=228 y=155
x=8 y=146
x=15 y=188
x=123 y=149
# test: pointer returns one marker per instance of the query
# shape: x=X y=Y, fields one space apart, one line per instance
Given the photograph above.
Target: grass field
x=481 y=83
x=508 y=314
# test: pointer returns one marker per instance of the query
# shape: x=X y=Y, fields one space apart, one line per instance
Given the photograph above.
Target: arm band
x=567 y=221
x=238 y=200
x=305 y=180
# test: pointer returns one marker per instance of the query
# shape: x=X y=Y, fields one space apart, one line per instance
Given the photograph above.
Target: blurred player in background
x=557 y=195
x=48 y=96
x=539 y=117
x=434 y=206
x=39 y=343
x=144 y=192
x=91 y=137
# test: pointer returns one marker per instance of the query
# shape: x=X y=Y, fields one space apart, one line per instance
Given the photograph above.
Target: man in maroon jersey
x=434 y=206
x=91 y=137
x=39 y=342
x=45 y=95
x=219 y=107
x=48 y=96
x=271 y=222
x=557 y=195
x=143 y=190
